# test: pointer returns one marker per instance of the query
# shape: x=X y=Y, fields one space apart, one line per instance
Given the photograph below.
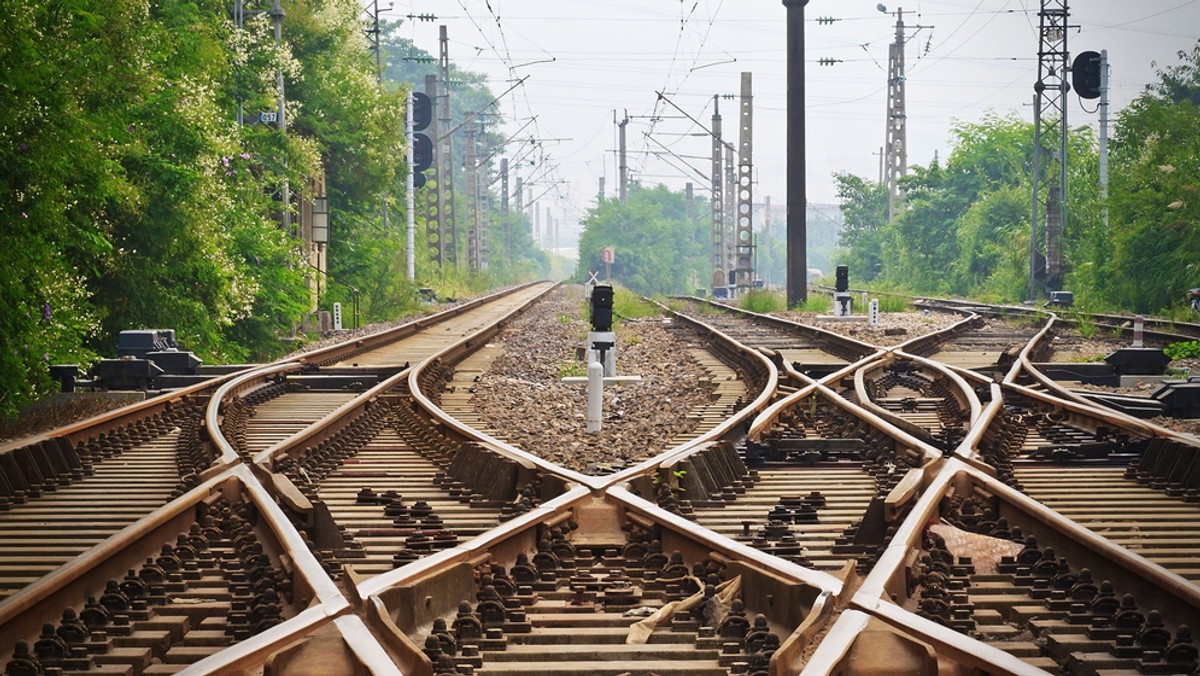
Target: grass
x=893 y=304
x=763 y=301
x=816 y=303
x=571 y=369
x=629 y=305
x=1084 y=324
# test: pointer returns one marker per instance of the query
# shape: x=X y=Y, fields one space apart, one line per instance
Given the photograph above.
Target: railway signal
x=422 y=145
x=601 y=355
x=1085 y=75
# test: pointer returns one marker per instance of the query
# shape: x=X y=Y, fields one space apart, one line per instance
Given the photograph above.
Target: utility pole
x=600 y=192
x=880 y=155
x=688 y=196
x=508 y=244
x=410 y=201
x=447 y=226
x=797 y=199
x=744 y=224
x=896 y=146
x=718 y=200
x=472 y=174
x=373 y=32
x=1104 y=133
x=239 y=20
x=1050 y=122
x=432 y=194
x=277 y=14
x=731 y=201
x=518 y=199
x=897 y=132
x=623 y=168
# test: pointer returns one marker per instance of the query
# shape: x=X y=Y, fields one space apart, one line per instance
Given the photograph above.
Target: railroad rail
x=842 y=508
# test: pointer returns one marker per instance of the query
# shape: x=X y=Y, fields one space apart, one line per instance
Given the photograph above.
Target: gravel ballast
x=522 y=395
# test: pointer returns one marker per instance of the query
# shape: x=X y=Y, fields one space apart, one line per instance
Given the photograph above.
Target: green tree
x=863 y=204
x=658 y=248
x=1154 y=206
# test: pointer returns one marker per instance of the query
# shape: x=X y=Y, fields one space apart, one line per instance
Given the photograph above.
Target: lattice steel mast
x=1050 y=122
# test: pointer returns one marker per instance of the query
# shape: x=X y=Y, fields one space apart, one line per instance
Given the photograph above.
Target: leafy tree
x=658 y=248
x=1154 y=206
x=64 y=88
x=964 y=228
x=863 y=204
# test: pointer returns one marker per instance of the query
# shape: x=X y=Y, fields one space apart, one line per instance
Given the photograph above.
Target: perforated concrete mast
x=744 y=222
x=445 y=160
x=717 y=200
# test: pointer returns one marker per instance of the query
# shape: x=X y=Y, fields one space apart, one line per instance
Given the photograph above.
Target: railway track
x=840 y=509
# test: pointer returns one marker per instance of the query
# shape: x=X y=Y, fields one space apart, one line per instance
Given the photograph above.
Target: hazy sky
x=588 y=61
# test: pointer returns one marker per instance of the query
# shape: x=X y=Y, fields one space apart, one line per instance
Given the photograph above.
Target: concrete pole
x=277 y=14
x=1104 y=133
x=623 y=169
x=797 y=198
x=410 y=202
x=1034 y=179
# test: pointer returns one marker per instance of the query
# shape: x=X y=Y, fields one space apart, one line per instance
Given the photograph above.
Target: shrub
x=816 y=303
x=1188 y=349
x=894 y=304
x=762 y=301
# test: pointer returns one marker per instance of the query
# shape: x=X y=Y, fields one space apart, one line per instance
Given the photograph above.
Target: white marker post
x=595 y=381
x=601 y=354
x=874 y=312
x=1139 y=326
x=337 y=316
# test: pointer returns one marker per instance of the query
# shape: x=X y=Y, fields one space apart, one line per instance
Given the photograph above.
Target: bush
x=763 y=301
x=816 y=303
x=893 y=304
x=629 y=305
x=1189 y=349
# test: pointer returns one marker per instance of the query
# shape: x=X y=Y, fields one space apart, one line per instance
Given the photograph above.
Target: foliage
x=135 y=199
x=763 y=301
x=1188 y=349
x=891 y=303
x=1154 y=205
x=816 y=302
x=658 y=248
x=629 y=305
x=864 y=209
x=1085 y=324
x=571 y=369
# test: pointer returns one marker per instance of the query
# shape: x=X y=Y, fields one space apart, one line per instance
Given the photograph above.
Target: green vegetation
x=1189 y=349
x=572 y=369
x=629 y=305
x=135 y=199
x=889 y=303
x=658 y=249
x=965 y=230
x=1084 y=324
x=763 y=301
x=817 y=302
